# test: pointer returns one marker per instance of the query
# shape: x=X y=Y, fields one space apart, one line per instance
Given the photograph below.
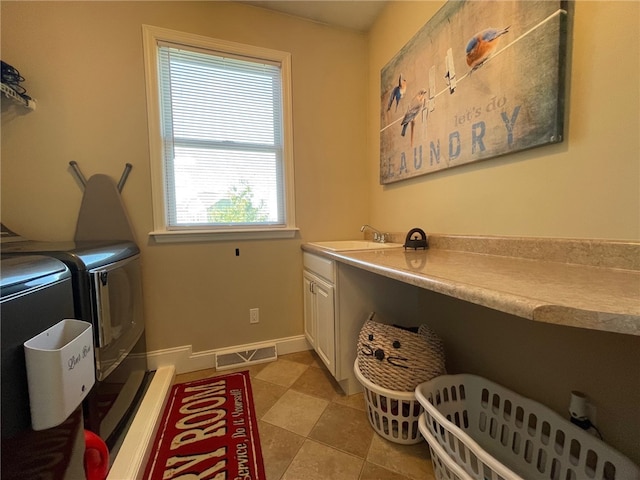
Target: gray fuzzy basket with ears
x=398 y=359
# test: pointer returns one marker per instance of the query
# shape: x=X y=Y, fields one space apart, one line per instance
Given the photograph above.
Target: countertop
x=573 y=294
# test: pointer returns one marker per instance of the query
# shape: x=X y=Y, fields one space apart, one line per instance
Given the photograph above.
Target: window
x=220 y=138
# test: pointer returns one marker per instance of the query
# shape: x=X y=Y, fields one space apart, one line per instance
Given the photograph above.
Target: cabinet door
x=309 y=309
x=325 y=324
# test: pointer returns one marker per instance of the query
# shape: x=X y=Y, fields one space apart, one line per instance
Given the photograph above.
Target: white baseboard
x=184 y=360
x=134 y=453
x=292 y=345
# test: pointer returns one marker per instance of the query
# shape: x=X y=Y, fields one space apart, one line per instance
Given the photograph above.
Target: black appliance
x=107 y=292
x=36 y=293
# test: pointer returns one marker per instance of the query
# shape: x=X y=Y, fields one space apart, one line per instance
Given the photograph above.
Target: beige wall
x=83 y=62
x=586 y=187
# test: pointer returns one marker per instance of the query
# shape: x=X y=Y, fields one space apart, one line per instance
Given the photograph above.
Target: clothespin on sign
x=424 y=110
x=432 y=88
x=450 y=75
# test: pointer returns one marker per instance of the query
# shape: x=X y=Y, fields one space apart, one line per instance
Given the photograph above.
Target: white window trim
x=161 y=233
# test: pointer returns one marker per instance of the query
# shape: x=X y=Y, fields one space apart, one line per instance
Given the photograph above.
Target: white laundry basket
x=478 y=430
x=393 y=415
x=444 y=467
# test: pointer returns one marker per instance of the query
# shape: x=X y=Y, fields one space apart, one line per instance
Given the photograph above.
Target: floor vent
x=237 y=358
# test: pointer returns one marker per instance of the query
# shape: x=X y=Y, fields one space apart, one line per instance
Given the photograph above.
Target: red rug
x=208 y=431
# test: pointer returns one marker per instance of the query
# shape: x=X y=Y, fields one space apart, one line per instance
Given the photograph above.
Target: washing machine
x=35 y=294
x=107 y=292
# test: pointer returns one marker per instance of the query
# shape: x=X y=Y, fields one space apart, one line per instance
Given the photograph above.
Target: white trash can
x=60 y=371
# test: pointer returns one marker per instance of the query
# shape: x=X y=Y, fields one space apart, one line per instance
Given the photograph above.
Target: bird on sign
x=398 y=92
x=482 y=45
x=412 y=112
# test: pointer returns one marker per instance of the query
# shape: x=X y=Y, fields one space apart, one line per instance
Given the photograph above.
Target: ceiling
x=353 y=14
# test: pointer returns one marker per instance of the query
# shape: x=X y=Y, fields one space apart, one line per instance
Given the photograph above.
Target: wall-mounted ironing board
x=102 y=213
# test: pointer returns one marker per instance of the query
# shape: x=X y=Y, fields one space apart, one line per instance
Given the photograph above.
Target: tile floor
x=310 y=430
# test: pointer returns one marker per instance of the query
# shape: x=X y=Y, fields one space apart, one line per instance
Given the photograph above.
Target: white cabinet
x=309 y=308
x=319 y=320
x=319 y=307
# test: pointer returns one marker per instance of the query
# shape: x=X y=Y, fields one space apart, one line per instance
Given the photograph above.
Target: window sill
x=180 y=236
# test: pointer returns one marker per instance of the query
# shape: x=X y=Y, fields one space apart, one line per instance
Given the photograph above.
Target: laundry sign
x=479 y=80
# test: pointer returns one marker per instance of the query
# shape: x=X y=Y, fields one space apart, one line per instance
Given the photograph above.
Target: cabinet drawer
x=320 y=266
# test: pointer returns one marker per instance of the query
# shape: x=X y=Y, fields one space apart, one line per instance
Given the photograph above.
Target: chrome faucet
x=378 y=236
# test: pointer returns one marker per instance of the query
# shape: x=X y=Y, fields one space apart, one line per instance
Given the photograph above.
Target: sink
x=344 y=245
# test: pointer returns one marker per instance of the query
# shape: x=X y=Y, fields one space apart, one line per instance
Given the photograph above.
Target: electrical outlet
x=254 y=315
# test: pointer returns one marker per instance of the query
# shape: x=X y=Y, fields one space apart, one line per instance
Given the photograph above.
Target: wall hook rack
x=78 y=173
x=83 y=180
x=125 y=175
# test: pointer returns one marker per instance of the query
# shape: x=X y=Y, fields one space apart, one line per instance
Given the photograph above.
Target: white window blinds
x=221 y=123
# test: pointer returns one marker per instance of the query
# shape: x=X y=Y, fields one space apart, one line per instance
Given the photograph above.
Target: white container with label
x=60 y=371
